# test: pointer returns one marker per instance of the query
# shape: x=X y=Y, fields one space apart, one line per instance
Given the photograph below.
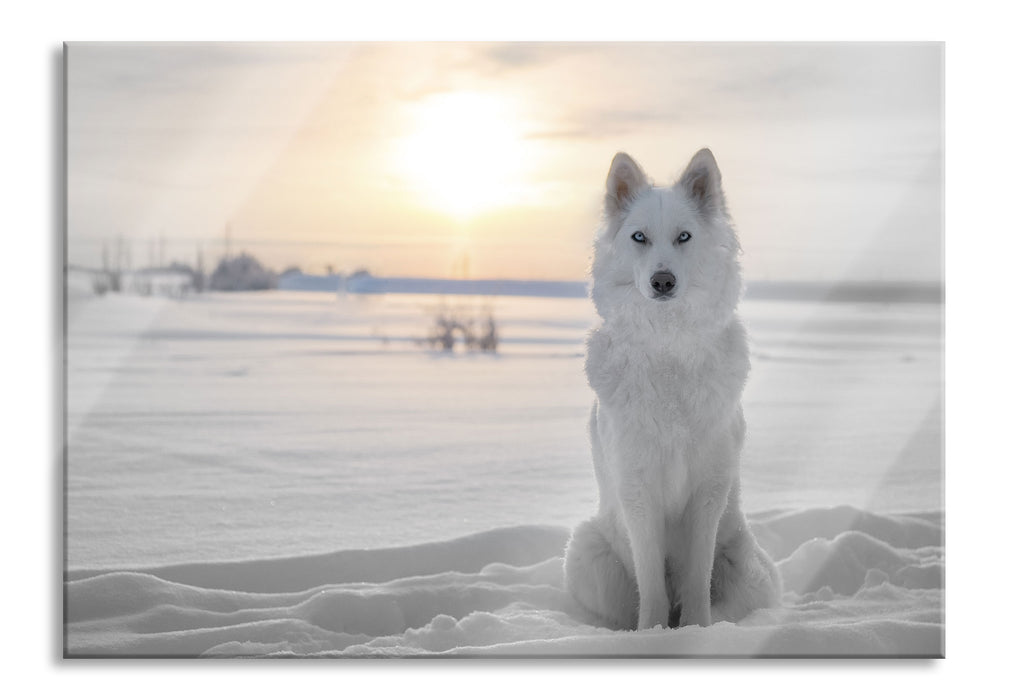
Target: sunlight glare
x=465 y=154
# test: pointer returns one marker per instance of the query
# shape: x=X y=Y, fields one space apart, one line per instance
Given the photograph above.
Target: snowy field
x=293 y=473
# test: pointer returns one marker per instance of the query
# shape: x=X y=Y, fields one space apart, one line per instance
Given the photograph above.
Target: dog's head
x=667 y=251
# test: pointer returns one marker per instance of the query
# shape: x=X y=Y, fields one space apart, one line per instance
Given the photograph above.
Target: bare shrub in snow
x=453 y=327
x=486 y=339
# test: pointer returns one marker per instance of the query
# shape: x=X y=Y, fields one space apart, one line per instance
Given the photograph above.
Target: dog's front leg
x=646 y=531
x=704 y=511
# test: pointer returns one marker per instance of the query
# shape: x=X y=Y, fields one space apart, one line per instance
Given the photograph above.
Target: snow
x=851 y=595
x=291 y=473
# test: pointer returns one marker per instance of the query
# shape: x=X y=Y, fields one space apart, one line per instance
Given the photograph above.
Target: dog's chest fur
x=667 y=403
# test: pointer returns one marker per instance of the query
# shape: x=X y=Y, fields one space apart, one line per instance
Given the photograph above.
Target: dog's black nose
x=663 y=282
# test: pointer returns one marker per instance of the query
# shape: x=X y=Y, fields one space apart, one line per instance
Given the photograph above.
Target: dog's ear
x=702 y=182
x=625 y=181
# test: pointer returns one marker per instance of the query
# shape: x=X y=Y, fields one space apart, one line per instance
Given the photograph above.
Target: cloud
x=607 y=122
x=519 y=55
x=612 y=90
x=179 y=67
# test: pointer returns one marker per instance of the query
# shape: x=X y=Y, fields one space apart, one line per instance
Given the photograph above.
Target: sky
x=489 y=160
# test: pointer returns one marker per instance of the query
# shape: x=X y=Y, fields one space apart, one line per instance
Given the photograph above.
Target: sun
x=464 y=153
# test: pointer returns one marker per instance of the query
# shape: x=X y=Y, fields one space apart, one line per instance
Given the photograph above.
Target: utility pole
x=199 y=278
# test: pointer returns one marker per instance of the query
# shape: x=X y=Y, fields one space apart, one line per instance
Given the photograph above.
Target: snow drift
x=857 y=584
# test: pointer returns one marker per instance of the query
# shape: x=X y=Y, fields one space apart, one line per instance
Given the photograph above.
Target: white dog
x=669 y=545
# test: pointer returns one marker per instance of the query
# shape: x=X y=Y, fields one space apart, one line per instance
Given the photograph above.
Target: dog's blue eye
x=638 y=237
x=684 y=237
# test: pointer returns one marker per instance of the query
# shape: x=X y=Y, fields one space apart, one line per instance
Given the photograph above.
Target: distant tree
x=360 y=280
x=180 y=267
x=242 y=273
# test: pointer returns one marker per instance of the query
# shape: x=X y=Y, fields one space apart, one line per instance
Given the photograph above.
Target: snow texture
x=292 y=473
x=501 y=593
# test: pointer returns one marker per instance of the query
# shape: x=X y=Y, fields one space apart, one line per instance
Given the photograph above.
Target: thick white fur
x=670 y=544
